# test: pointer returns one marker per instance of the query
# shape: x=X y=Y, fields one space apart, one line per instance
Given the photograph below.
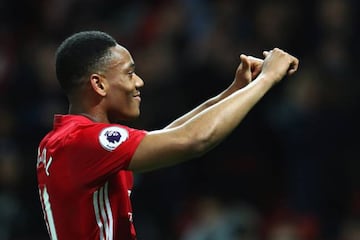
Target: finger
x=293 y=66
x=245 y=62
x=254 y=61
x=266 y=53
x=256 y=65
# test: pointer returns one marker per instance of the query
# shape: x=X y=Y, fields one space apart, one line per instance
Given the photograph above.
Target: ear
x=98 y=84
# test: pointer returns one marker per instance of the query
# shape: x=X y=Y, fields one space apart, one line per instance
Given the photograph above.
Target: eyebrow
x=131 y=66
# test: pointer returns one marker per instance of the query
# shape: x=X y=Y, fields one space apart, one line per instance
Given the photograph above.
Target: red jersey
x=83 y=181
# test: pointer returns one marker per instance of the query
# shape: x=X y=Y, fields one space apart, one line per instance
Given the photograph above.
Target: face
x=123 y=95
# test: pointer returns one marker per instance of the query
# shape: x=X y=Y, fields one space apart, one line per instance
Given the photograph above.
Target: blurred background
x=289 y=172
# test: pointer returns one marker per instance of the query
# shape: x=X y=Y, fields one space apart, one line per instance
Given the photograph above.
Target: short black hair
x=81 y=54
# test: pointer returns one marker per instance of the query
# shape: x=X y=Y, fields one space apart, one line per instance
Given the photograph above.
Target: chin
x=134 y=115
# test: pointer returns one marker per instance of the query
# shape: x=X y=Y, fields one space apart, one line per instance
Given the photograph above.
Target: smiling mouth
x=137 y=96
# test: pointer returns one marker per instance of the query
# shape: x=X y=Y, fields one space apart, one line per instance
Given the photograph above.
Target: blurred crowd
x=289 y=172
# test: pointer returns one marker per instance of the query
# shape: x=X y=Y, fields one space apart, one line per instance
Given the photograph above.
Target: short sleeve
x=102 y=150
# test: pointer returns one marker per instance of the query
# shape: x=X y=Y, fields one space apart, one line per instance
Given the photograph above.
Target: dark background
x=289 y=171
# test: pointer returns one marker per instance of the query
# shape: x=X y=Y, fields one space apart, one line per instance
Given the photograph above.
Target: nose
x=138 y=81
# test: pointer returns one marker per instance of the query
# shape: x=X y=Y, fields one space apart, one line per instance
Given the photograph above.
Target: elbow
x=202 y=142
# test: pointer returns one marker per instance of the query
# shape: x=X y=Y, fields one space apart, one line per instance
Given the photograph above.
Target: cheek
x=121 y=94
x=124 y=100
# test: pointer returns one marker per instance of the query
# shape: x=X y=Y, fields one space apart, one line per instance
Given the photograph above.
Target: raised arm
x=206 y=129
x=248 y=69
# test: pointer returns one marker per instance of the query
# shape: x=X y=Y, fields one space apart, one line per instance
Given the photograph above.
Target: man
x=85 y=163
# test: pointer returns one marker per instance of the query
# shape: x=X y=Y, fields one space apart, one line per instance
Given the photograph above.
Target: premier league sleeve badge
x=111 y=137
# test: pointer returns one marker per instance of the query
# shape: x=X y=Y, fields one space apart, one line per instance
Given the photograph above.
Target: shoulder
x=79 y=132
x=109 y=136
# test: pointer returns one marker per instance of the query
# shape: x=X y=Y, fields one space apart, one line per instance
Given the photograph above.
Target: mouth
x=137 y=96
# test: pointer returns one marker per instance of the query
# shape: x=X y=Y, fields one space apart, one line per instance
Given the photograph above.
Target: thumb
x=245 y=63
x=266 y=53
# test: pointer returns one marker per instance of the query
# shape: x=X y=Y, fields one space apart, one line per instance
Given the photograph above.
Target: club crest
x=111 y=137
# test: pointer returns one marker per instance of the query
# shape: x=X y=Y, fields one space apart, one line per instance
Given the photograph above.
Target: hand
x=278 y=64
x=248 y=70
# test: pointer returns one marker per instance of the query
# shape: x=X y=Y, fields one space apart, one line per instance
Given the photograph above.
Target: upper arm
x=162 y=148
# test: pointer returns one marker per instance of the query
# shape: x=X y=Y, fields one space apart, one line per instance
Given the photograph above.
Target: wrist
x=267 y=79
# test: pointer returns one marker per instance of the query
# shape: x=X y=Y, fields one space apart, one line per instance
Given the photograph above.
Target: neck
x=92 y=114
x=84 y=102
x=92 y=118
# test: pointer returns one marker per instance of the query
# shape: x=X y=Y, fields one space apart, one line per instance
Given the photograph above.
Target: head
x=98 y=75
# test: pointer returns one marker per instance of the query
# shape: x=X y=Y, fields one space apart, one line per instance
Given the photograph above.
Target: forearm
x=248 y=70
x=210 y=102
x=212 y=125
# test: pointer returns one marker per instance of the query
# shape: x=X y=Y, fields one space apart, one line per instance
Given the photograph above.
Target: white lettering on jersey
x=43 y=159
x=130 y=215
x=111 y=137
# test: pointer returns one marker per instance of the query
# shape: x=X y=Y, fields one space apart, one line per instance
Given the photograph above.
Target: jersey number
x=48 y=216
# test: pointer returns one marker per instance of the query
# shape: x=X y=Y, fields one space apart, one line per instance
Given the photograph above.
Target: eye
x=131 y=72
